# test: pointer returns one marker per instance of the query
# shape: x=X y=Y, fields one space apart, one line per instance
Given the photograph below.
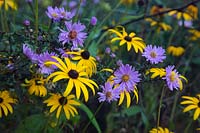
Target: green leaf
x=130 y=17
x=90 y=116
x=32 y=124
x=133 y=110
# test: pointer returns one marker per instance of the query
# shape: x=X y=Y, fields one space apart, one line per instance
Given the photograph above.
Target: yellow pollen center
x=125 y=78
x=109 y=95
x=54 y=15
x=153 y=54
x=172 y=76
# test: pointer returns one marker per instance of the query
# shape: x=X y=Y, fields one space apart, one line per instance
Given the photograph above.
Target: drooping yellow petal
x=121 y=99
x=70 y=85
x=196 y=113
x=128 y=98
x=190 y=107
x=58 y=111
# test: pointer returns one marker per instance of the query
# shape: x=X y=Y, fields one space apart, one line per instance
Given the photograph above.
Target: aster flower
x=75 y=75
x=173 y=79
x=65 y=15
x=29 y=53
x=66 y=103
x=109 y=93
x=5 y=103
x=127 y=77
x=130 y=39
x=154 y=54
x=192 y=103
x=85 y=59
x=160 y=130
x=93 y=21
x=53 y=13
x=36 y=86
x=44 y=57
x=175 y=51
x=73 y=34
x=187 y=24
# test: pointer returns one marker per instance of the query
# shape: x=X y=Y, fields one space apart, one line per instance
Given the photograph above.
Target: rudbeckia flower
x=156 y=72
x=85 y=59
x=8 y=3
x=5 y=103
x=66 y=103
x=130 y=39
x=128 y=96
x=193 y=103
x=195 y=34
x=160 y=130
x=75 y=74
x=36 y=86
x=175 y=51
x=193 y=11
x=180 y=15
x=159 y=25
x=157 y=9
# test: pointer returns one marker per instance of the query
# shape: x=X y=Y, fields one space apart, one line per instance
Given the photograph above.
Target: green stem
x=36 y=20
x=174 y=107
x=188 y=126
x=2 y=22
x=79 y=5
x=173 y=34
x=84 y=130
x=160 y=106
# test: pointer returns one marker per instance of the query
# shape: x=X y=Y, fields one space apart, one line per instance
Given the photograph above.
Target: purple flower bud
x=26 y=22
x=119 y=62
x=112 y=55
x=93 y=21
x=107 y=51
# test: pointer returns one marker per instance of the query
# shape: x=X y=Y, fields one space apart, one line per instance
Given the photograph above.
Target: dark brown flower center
x=63 y=100
x=72 y=34
x=73 y=74
x=85 y=55
x=198 y=104
x=38 y=82
x=125 y=78
x=109 y=95
x=128 y=38
x=1 y=100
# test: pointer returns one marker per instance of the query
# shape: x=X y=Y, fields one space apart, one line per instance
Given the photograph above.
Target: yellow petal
x=67 y=114
x=70 y=85
x=58 y=111
x=190 y=107
x=5 y=110
x=128 y=98
x=121 y=98
x=196 y=113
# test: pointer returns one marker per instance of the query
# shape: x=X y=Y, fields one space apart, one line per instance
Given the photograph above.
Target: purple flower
x=73 y=34
x=63 y=52
x=29 y=53
x=93 y=21
x=112 y=55
x=154 y=54
x=126 y=77
x=65 y=15
x=26 y=22
x=44 y=57
x=119 y=63
x=109 y=94
x=172 y=78
x=53 y=13
x=187 y=24
x=108 y=50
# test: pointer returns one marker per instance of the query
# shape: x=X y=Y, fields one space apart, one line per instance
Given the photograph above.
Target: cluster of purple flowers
x=56 y=14
x=125 y=79
x=40 y=59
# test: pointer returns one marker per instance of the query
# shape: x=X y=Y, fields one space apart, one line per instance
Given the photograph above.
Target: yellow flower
x=128 y=97
x=193 y=11
x=160 y=130
x=193 y=103
x=175 y=51
x=66 y=103
x=5 y=103
x=156 y=9
x=136 y=42
x=159 y=25
x=128 y=2
x=156 y=72
x=36 y=85
x=180 y=15
x=85 y=59
x=195 y=34
x=8 y=3
x=75 y=74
